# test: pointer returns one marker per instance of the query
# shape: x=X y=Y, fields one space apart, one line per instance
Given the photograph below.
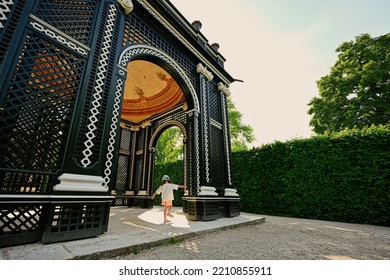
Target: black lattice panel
x=217 y=158
x=203 y=210
x=19 y=219
x=122 y=174
x=76 y=18
x=120 y=202
x=141 y=140
x=19 y=182
x=38 y=107
x=215 y=103
x=232 y=208
x=69 y=218
x=139 y=172
x=138 y=31
x=179 y=116
x=123 y=169
x=125 y=139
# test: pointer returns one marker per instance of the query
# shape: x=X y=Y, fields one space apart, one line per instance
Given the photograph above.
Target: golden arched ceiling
x=149 y=90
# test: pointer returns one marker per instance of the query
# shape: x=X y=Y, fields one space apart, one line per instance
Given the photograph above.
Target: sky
x=280 y=49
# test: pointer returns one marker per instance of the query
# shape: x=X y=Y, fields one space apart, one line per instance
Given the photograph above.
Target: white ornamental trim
x=226 y=139
x=224 y=89
x=114 y=126
x=127 y=5
x=79 y=183
x=203 y=70
x=98 y=90
x=215 y=124
x=197 y=153
x=206 y=130
x=208 y=191
x=231 y=192
x=59 y=36
x=5 y=10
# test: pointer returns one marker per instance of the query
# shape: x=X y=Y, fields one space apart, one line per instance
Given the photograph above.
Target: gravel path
x=279 y=238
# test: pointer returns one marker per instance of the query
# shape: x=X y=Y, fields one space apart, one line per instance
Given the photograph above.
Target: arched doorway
x=156 y=95
x=170 y=159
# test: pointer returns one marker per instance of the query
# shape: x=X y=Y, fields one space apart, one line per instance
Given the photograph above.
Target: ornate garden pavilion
x=87 y=88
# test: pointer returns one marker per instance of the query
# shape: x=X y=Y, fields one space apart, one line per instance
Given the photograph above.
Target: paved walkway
x=133 y=234
x=280 y=238
x=130 y=230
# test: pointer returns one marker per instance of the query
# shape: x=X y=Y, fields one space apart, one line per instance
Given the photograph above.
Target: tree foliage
x=170 y=146
x=356 y=92
x=240 y=134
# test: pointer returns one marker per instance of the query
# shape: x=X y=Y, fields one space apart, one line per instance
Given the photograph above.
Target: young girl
x=166 y=190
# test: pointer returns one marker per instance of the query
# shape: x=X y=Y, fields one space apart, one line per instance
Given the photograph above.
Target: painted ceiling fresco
x=149 y=90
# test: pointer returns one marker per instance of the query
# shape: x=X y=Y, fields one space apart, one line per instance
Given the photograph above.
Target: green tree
x=240 y=134
x=356 y=92
x=170 y=146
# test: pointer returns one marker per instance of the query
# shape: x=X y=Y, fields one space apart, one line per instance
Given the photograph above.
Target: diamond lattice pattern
x=38 y=107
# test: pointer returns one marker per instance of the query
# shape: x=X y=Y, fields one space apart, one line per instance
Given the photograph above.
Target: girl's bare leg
x=166 y=210
x=169 y=212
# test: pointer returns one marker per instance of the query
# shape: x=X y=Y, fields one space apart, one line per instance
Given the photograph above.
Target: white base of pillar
x=208 y=191
x=80 y=183
x=231 y=192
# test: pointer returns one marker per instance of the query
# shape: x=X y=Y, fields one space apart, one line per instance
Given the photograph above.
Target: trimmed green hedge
x=343 y=177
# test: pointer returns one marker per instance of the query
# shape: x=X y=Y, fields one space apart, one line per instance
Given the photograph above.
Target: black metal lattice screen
x=73 y=221
x=77 y=217
x=217 y=159
x=25 y=182
x=217 y=155
x=73 y=17
x=179 y=116
x=123 y=168
x=138 y=31
x=38 y=107
x=15 y=219
x=122 y=174
x=215 y=103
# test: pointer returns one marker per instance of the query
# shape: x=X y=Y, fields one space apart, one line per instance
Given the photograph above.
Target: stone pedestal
x=211 y=208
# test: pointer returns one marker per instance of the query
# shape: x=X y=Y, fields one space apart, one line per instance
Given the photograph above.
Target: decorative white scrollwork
x=114 y=126
x=99 y=85
x=206 y=129
x=55 y=34
x=4 y=10
x=226 y=128
x=197 y=147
